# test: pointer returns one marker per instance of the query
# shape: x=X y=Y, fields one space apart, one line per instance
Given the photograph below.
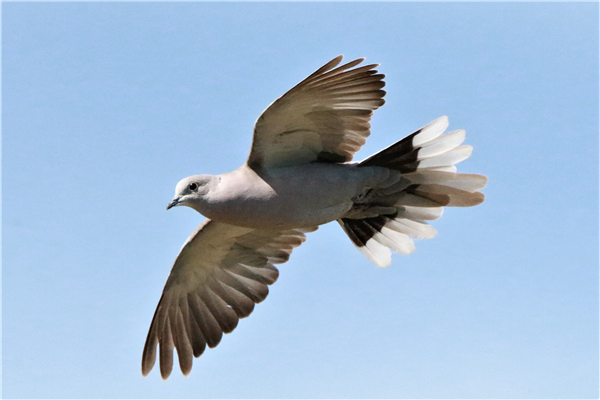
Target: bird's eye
x=193 y=186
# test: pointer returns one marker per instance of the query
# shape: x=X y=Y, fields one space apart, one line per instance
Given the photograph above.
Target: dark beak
x=173 y=203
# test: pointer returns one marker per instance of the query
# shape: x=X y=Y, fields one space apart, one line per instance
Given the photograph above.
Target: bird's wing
x=220 y=273
x=323 y=118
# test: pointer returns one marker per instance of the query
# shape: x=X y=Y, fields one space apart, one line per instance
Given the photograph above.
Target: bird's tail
x=427 y=180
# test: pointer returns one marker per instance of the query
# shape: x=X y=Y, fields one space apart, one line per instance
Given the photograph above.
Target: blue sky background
x=106 y=106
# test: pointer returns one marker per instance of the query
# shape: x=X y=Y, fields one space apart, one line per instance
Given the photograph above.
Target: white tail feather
x=451 y=157
x=447 y=168
x=397 y=241
x=412 y=228
x=377 y=253
x=442 y=144
x=431 y=131
x=420 y=213
x=468 y=182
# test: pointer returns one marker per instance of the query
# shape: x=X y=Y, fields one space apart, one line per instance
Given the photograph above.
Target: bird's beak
x=174 y=203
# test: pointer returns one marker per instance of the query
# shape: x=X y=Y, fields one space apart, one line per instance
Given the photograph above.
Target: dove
x=300 y=175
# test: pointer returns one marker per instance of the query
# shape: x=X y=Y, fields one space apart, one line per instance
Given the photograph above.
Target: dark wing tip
x=186 y=372
x=165 y=375
x=330 y=65
x=149 y=354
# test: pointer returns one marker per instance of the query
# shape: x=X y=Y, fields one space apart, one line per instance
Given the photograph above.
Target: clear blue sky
x=106 y=106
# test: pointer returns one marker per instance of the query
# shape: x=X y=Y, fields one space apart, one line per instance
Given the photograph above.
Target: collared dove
x=299 y=176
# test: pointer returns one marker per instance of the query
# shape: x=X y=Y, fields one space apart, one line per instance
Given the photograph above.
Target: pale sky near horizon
x=106 y=106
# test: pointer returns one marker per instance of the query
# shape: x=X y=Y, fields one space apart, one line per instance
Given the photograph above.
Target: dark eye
x=193 y=186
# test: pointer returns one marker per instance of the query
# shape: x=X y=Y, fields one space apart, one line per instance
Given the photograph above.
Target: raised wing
x=323 y=118
x=220 y=273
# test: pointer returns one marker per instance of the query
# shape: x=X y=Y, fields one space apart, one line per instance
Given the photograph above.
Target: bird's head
x=193 y=190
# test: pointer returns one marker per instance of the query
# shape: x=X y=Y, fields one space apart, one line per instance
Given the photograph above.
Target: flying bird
x=299 y=176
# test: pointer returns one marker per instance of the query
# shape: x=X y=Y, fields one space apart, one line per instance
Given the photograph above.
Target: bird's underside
x=292 y=197
x=298 y=177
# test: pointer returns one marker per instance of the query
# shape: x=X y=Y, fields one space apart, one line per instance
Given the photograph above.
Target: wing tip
x=165 y=376
x=148 y=356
